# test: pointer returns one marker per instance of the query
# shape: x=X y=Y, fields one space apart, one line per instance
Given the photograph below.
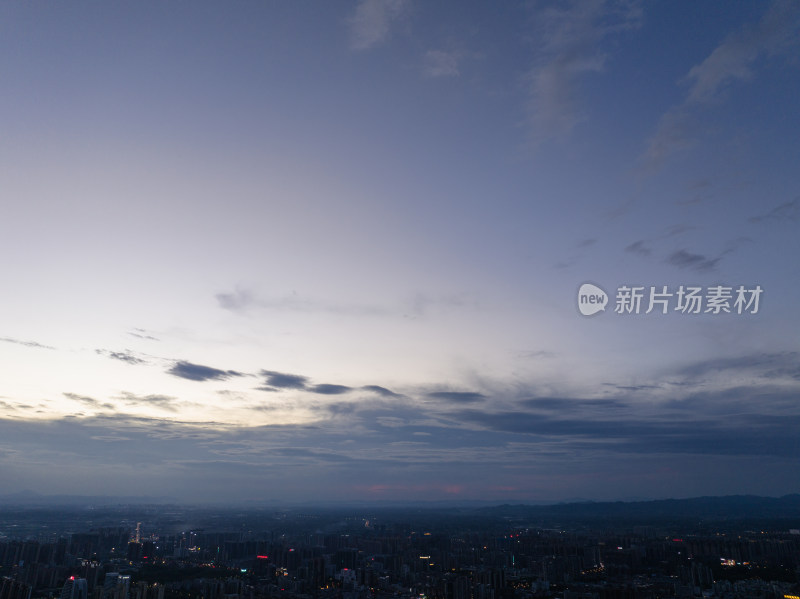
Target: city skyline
x=333 y=251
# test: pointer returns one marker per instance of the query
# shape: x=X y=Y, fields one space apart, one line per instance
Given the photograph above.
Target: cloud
x=238 y=301
x=25 y=343
x=325 y=389
x=284 y=381
x=422 y=305
x=165 y=402
x=700 y=184
x=536 y=354
x=638 y=247
x=242 y=300
x=19 y=406
x=383 y=391
x=678 y=230
x=632 y=387
x=570 y=404
x=688 y=433
x=371 y=21
x=142 y=334
x=767 y=365
x=442 y=63
x=700 y=190
x=788 y=211
x=391 y=421
x=458 y=396
x=88 y=401
x=777 y=33
x=196 y=372
x=126 y=356
x=337 y=409
x=734 y=244
x=567 y=38
x=676 y=131
x=276 y=381
x=642 y=247
x=684 y=259
x=419 y=305
x=463 y=441
x=733 y=402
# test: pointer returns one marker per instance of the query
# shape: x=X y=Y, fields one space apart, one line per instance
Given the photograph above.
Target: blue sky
x=300 y=250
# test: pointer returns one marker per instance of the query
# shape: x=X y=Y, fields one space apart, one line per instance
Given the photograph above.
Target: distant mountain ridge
x=730 y=507
x=709 y=508
x=32 y=499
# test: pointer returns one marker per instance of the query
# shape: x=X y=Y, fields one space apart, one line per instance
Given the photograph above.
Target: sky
x=332 y=251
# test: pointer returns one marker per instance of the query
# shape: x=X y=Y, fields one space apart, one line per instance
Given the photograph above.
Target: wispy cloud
x=125 y=356
x=89 y=401
x=237 y=301
x=442 y=63
x=776 y=33
x=698 y=191
x=567 y=37
x=579 y=250
x=699 y=262
x=633 y=388
x=142 y=334
x=422 y=304
x=382 y=391
x=675 y=132
x=788 y=211
x=371 y=22
x=244 y=300
x=18 y=406
x=165 y=402
x=458 y=396
x=391 y=421
x=197 y=372
x=419 y=305
x=677 y=230
x=732 y=61
x=638 y=247
x=536 y=354
x=568 y=405
x=772 y=366
x=26 y=343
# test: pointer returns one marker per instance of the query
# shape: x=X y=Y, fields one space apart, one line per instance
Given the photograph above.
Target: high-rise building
x=116 y=586
x=134 y=552
x=75 y=588
x=14 y=589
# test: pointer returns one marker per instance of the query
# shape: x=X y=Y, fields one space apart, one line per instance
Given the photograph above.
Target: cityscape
x=727 y=548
